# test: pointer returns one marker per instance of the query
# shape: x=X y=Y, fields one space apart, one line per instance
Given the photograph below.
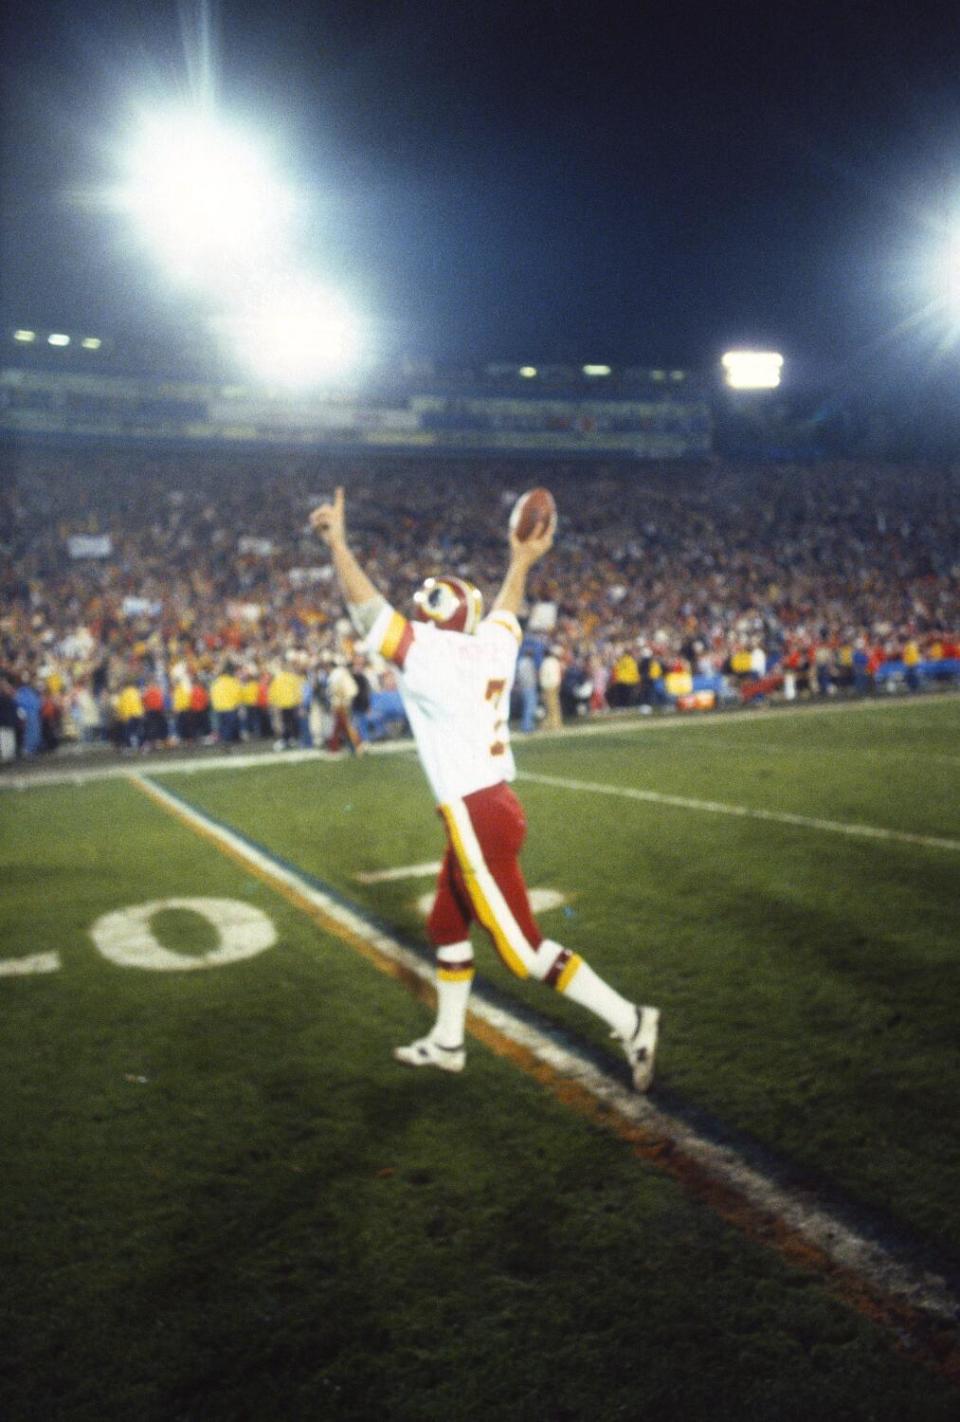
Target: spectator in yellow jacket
x=286 y=694
x=912 y=658
x=225 y=697
x=624 y=687
x=130 y=715
x=183 y=718
x=249 y=703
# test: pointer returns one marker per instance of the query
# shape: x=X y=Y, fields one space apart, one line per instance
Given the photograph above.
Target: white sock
x=454 y=980
x=587 y=988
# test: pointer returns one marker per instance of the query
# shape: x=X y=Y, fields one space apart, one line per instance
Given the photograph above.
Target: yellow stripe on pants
x=484 y=892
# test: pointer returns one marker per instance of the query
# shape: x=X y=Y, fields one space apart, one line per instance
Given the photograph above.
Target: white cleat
x=640 y=1049
x=428 y=1053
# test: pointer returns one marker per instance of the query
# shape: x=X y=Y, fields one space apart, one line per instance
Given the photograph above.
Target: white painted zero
x=127 y=939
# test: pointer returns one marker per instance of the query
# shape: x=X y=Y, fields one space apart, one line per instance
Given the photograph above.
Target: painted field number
x=126 y=938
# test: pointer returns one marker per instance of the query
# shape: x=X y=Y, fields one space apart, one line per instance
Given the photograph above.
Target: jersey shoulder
x=391 y=636
x=498 y=622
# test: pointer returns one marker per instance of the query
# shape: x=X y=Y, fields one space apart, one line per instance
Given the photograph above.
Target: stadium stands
x=125 y=567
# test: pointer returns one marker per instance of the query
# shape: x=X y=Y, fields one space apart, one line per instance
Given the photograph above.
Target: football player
x=455 y=669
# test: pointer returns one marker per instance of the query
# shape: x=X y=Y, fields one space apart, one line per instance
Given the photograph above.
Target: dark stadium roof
x=544 y=181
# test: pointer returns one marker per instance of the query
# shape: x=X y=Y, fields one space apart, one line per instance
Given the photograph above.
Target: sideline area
x=72 y=768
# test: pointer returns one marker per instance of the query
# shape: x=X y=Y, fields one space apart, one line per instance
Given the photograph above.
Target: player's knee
x=553 y=963
x=520 y=950
x=519 y=956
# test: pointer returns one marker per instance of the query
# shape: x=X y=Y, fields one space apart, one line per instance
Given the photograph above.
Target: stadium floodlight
x=26 y=338
x=58 y=338
x=204 y=194
x=528 y=372
x=297 y=335
x=596 y=370
x=91 y=343
x=752 y=370
x=940 y=275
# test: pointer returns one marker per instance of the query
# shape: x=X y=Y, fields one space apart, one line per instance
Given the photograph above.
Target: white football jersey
x=456 y=693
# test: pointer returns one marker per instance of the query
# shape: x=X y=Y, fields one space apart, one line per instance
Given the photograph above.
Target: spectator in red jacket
x=155 y=727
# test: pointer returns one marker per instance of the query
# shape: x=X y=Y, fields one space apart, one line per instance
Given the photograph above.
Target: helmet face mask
x=450 y=603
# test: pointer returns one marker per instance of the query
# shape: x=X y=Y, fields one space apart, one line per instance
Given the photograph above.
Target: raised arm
x=362 y=598
x=523 y=555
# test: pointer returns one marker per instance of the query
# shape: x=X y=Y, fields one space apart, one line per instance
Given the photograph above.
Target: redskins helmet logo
x=450 y=603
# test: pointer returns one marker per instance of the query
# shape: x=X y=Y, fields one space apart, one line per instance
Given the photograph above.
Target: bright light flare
x=949 y=277
x=752 y=370
x=204 y=194
x=298 y=336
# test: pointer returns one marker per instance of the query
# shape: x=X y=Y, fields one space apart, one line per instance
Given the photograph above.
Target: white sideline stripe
x=407 y=871
x=843 y=1245
x=193 y=766
x=629 y=724
x=745 y=812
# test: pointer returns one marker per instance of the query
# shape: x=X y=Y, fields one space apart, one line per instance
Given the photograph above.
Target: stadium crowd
x=153 y=599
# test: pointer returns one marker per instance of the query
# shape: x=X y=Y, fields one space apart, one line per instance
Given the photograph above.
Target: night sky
x=535 y=181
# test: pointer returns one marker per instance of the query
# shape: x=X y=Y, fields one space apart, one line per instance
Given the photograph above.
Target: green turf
x=221 y=1200
x=808 y=979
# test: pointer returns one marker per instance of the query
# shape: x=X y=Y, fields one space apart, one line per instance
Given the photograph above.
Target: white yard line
x=406 y=871
x=920 y=756
x=743 y=812
x=885 y=1272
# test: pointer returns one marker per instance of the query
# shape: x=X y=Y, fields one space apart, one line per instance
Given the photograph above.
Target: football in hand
x=532 y=513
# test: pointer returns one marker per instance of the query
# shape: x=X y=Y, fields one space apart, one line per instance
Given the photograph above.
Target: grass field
x=222 y=1200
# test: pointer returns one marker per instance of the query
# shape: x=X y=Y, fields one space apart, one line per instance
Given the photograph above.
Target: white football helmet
x=450 y=603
